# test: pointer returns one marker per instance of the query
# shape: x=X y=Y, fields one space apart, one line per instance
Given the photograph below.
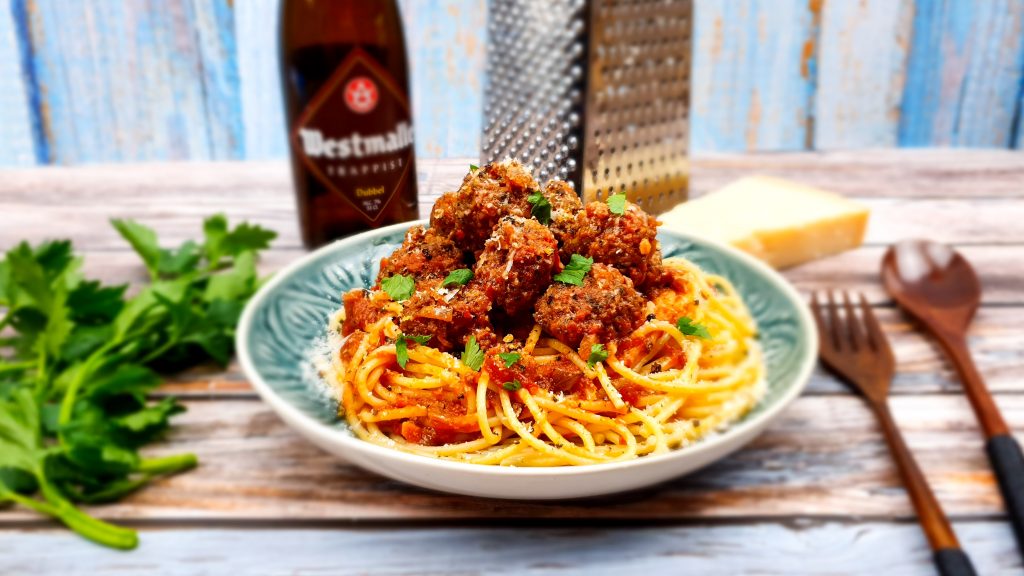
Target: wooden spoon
x=936 y=285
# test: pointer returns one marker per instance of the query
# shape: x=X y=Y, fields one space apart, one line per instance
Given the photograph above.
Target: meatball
x=605 y=307
x=517 y=263
x=627 y=241
x=362 y=308
x=424 y=254
x=468 y=215
x=565 y=204
x=449 y=315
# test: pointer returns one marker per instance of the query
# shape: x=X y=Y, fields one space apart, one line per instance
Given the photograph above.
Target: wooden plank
x=891 y=173
x=964 y=76
x=752 y=79
x=858 y=270
x=218 y=60
x=862 y=61
x=1018 y=128
x=174 y=198
x=29 y=213
x=17 y=147
x=823 y=458
x=256 y=33
x=126 y=80
x=446 y=45
x=761 y=548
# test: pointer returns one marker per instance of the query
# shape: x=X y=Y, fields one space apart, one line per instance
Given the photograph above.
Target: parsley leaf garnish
x=402 y=346
x=458 y=277
x=540 y=207
x=575 y=271
x=473 y=167
x=691 y=328
x=473 y=356
x=597 y=354
x=509 y=358
x=399 y=287
x=512 y=386
x=617 y=203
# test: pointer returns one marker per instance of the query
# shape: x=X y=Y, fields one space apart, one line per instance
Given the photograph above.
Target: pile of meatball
x=487 y=225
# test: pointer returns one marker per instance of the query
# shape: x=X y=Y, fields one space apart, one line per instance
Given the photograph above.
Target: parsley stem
x=92 y=528
x=41 y=372
x=67 y=405
x=155 y=354
x=15 y=366
x=31 y=503
x=168 y=464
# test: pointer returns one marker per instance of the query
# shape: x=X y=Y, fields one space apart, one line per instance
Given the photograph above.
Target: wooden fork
x=856 y=350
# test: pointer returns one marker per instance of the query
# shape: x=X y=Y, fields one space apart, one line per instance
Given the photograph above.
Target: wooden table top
x=816 y=493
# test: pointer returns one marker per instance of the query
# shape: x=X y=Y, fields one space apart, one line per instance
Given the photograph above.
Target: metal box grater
x=596 y=93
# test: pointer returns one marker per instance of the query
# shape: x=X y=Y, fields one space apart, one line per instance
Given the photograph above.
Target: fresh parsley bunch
x=78 y=360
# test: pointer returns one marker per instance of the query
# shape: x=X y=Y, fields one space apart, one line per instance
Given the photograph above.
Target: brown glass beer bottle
x=346 y=94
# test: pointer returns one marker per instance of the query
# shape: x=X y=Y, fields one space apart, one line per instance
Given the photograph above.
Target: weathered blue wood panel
x=1018 y=128
x=218 y=59
x=446 y=43
x=113 y=80
x=16 y=142
x=256 y=24
x=964 y=77
x=862 y=57
x=134 y=80
x=752 y=74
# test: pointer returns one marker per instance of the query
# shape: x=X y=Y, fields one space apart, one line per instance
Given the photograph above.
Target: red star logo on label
x=361 y=95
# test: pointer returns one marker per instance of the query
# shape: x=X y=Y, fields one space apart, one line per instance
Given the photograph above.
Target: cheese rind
x=781 y=222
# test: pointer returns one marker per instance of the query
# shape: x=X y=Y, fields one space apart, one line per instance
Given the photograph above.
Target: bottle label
x=355 y=135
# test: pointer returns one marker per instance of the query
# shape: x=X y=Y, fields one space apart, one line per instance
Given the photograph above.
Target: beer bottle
x=346 y=94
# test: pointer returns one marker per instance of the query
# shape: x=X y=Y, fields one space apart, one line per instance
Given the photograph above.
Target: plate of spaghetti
x=523 y=345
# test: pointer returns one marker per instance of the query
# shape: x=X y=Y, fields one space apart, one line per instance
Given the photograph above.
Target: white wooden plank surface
x=828 y=548
x=175 y=198
x=862 y=63
x=84 y=217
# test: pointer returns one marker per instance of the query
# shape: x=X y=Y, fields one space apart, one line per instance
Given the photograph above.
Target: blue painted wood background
x=139 y=80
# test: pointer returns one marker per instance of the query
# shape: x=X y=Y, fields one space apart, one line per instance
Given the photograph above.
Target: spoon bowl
x=933 y=282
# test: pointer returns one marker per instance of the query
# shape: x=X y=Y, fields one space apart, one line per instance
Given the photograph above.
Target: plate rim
x=321 y=433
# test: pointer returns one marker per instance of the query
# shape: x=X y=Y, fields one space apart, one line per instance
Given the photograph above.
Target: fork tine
x=875 y=334
x=856 y=332
x=825 y=337
x=834 y=325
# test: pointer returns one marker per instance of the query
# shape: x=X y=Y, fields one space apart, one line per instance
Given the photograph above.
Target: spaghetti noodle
x=599 y=391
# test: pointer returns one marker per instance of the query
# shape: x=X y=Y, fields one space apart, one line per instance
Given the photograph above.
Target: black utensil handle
x=1008 y=464
x=953 y=562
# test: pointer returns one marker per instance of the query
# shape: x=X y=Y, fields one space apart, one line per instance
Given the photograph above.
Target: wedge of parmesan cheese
x=781 y=222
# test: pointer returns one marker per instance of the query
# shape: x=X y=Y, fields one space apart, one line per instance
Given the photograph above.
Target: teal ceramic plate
x=282 y=323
